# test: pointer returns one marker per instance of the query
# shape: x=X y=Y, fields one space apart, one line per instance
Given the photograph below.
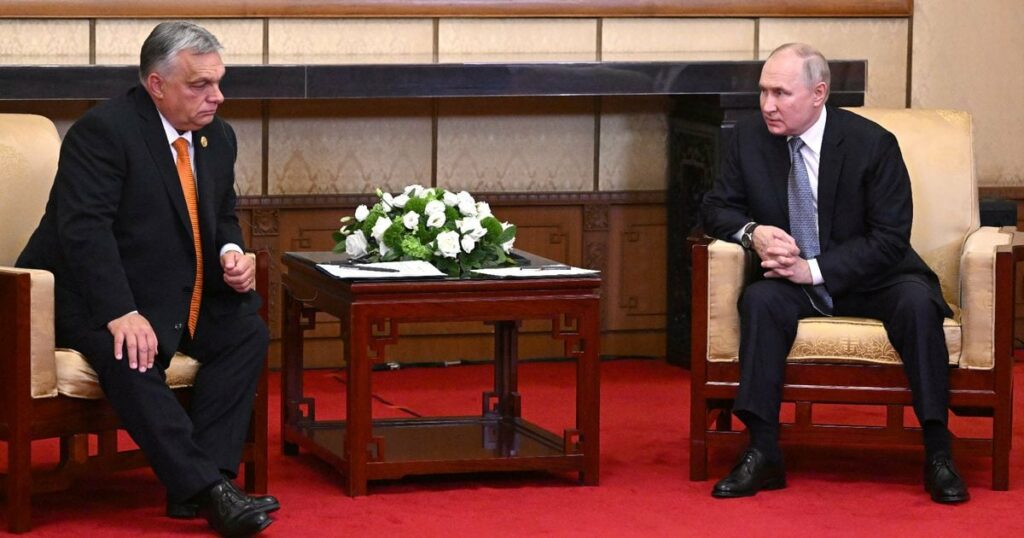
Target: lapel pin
x=202 y=141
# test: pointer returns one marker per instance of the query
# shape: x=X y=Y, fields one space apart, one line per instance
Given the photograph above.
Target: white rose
x=379 y=228
x=387 y=201
x=401 y=200
x=483 y=209
x=355 y=245
x=471 y=226
x=410 y=220
x=434 y=206
x=450 y=199
x=427 y=193
x=436 y=220
x=448 y=244
x=362 y=212
x=468 y=243
x=414 y=191
x=467 y=208
x=465 y=197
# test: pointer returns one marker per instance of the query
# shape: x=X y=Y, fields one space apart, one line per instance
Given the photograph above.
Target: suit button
x=178 y=326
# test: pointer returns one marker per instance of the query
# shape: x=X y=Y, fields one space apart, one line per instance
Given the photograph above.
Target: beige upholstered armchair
x=53 y=393
x=849 y=360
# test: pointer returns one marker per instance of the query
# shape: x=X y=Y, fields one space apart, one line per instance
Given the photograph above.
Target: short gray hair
x=815 y=65
x=168 y=39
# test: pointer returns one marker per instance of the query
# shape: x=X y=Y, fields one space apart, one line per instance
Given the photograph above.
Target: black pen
x=352 y=265
x=551 y=267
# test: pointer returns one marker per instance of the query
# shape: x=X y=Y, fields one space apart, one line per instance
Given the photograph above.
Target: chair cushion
x=856 y=341
x=76 y=379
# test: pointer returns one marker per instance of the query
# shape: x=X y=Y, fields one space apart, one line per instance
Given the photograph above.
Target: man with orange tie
x=141 y=236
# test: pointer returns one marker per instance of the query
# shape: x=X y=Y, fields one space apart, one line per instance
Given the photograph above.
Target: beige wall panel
x=118 y=40
x=245 y=118
x=516 y=144
x=351 y=41
x=55 y=41
x=517 y=40
x=970 y=58
x=677 y=39
x=329 y=147
x=882 y=42
x=634 y=141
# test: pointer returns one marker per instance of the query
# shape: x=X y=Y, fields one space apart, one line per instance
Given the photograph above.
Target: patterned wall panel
x=882 y=42
x=118 y=40
x=331 y=147
x=246 y=118
x=56 y=41
x=517 y=40
x=971 y=59
x=351 y=41
x=635 y=280
x=677 y=39
x=634 y=144
x=516 y=144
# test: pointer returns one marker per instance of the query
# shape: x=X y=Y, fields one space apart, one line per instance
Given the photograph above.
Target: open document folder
x=409 y=269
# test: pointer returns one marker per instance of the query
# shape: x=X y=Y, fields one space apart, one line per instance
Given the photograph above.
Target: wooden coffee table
x=499 y=439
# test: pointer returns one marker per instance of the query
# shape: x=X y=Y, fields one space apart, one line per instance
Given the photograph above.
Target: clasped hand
x=780 y=256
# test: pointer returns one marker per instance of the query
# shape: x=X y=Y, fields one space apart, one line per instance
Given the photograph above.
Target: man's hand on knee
x=133 y=332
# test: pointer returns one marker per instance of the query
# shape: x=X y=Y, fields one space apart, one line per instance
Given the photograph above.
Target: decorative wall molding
x=495 y=198
x=452 y=8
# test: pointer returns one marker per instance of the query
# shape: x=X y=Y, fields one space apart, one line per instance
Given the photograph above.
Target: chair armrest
x=39 y=332
x=726 y=277
x=978 y=291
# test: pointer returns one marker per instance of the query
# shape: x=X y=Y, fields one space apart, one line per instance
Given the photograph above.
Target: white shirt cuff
x=816 y=278
x=231 y=247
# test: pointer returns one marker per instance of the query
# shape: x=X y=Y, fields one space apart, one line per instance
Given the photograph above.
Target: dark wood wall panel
x=454 y=8
x=623 y=234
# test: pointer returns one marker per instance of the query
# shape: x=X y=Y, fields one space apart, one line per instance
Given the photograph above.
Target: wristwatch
x=747 y=237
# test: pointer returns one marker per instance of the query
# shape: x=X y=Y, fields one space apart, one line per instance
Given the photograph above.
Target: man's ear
x=155 y=85
x=820 y=93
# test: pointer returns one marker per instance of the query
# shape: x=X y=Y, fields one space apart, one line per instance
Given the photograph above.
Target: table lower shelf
x=439 y=445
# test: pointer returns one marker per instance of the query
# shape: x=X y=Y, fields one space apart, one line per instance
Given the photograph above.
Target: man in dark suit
x=822 y=197
x=141 y=236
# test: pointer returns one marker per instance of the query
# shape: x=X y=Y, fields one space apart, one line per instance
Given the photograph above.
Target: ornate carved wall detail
x=264 y=222
x=595 y=217
x=595 y=254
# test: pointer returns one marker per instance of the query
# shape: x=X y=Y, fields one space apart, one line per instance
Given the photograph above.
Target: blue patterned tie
x=803 y=222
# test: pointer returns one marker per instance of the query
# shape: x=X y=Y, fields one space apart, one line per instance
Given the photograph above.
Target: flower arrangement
x=450 y=230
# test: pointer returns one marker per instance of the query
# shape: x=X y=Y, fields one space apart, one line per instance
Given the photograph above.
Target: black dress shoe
x=751 y=474
x=942 y=481
x=231 y=513
x=190 y=509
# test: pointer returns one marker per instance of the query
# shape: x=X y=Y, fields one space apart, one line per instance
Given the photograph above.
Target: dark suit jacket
x=116 y=233
x=865 y=207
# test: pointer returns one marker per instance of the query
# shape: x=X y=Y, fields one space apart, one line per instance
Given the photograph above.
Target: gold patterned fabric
x=937 y=146
x=76 y=379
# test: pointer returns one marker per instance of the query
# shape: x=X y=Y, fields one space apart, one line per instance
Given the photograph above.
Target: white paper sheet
x=409 y=269
x=543 y=271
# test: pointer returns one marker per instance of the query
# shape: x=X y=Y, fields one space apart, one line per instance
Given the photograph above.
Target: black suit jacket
x=865 y=207
x=116 y=232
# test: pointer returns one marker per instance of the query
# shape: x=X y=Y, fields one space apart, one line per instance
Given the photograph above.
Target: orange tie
x=188 y=186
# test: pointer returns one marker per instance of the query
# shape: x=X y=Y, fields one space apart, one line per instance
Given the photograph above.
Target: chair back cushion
x=938 y=147
x=29 y=146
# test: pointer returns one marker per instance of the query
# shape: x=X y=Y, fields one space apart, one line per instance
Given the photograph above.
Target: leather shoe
x=190 y=509
x=942 y=481
x=231 y=513
x=752 y=473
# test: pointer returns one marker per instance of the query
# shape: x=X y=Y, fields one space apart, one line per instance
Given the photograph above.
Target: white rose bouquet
x=450 y=230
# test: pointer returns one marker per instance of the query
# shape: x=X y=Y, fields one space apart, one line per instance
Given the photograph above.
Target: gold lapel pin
x=202 y=141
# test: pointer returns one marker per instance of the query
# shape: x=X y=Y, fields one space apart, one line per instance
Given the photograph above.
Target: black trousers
x=771 y=309
x=188 y=449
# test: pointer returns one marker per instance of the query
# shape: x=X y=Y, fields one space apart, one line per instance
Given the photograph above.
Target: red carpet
x=644 y=487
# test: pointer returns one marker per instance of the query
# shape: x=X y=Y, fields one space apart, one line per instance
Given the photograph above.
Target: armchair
x=53 y=393
x=849 y=360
